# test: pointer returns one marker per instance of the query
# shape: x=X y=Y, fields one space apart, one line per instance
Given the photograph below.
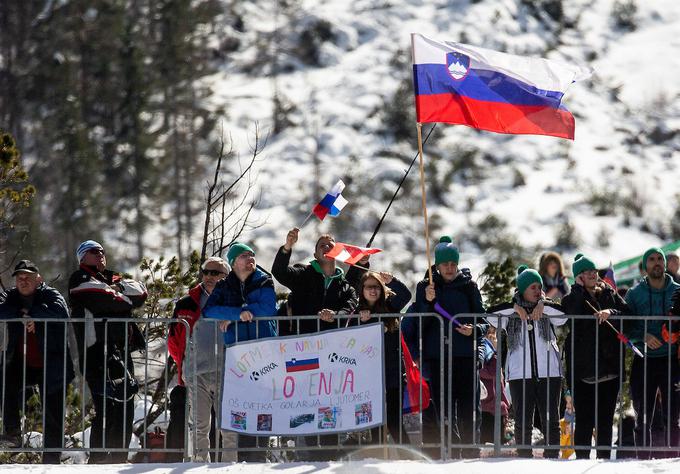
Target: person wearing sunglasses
x=239 y=301
x=198 y=367
x=105 y=347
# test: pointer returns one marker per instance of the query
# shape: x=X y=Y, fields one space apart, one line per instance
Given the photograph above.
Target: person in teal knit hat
x=533 y=359
x=456 y=292
x=652 y=296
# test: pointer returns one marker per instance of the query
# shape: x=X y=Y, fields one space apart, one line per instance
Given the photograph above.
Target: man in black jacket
x=319 y=288
x=105 y=347
x=37 y=351
x=591 y=371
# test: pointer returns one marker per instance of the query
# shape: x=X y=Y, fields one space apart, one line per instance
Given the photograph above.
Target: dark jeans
x=394 y=420
x=487 y=431
x=544 y=394
x=466 y=416
x=112 y=422
x=586 y=415
x=644 y=401
x=52 y=404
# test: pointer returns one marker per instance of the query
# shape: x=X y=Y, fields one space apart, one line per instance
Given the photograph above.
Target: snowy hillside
x=613 y=188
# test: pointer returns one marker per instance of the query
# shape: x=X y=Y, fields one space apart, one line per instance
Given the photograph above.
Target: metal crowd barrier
x=432 y=432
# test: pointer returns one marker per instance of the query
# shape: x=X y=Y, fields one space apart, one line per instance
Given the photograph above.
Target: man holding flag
x=317 y=288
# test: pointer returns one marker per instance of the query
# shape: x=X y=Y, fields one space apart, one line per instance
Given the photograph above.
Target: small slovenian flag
x=300 y=365
x=349 y=254
x=332 y=203
x=489 y=90
x=609 y=277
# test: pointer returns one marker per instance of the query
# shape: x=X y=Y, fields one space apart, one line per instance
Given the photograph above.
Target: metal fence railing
x=120 y=403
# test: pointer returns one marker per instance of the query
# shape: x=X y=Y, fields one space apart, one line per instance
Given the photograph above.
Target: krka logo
x=458 y=65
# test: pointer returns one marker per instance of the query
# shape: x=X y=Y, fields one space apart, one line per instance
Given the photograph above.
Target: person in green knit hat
x=533 y=360
x=318 y=288
x=593 y=375
x=457 y=293
x=651 y=297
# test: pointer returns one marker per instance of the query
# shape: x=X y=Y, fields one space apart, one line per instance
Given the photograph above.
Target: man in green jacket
x=652 y=297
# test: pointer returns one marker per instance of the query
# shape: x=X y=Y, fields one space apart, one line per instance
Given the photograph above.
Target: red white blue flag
x=349 y=254
x=332 y=203
x=489 y=90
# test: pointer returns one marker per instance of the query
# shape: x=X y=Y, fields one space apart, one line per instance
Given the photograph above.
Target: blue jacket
x=458 y=296
x=643 y=300
x=47 y=304
x=231 y=296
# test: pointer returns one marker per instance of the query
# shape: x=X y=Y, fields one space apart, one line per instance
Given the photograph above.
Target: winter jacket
x=587 y=334
x=47 y=304
x=643 y=300
x=458 y=296
x=559 y=282
x=312 y=291
x=533 y=356
x=487 y=376
x=231 y=296
x=105 y=294
x=188 y=308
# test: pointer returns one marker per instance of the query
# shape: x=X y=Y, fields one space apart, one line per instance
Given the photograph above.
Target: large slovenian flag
x=332 y=203
x=485 y=89
x=350 y=254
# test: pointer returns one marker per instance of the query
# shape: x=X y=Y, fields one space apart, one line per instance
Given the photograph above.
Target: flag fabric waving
x=332 y=203
x=350 y=254
x=609 y=277
x=489 y=90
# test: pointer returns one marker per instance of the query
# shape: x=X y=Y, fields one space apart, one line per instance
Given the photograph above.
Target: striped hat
x=85 y=246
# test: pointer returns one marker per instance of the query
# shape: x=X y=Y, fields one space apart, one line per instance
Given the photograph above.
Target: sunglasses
x=372 y=287
x=212 y=272
x=96 y=251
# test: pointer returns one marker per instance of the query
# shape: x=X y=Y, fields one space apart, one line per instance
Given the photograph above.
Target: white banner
x=326 y=382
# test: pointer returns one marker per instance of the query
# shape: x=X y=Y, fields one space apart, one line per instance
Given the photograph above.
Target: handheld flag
x=620 y=336
x=350 y=254
x=489 y=90
x=609 y=277
x=332 y=203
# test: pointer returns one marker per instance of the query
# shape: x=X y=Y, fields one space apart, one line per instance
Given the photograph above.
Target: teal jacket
x=643 y=300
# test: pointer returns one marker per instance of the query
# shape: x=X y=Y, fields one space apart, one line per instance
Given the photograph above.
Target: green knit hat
x=649 y=253
x=446 y=251
x=582 y=264
x=236 y=249
x=526 y=277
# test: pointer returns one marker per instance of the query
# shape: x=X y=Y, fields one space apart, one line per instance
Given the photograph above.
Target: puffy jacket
x=458 y=296
x=584 y=333
x=643 y=300
x=47 y=304
x=312 y=291
x=188 y=308
x=231 y=296
x=104 y=294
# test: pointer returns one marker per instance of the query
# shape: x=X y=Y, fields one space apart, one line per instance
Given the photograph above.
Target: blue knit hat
x=526 y=277
x=85 y=246
x=236 y=249
x=649 y=253
x=446 y=251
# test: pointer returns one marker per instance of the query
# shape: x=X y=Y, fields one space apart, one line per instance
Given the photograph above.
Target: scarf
x=515 y=328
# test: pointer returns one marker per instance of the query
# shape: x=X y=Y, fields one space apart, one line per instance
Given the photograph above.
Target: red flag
x=349 y=254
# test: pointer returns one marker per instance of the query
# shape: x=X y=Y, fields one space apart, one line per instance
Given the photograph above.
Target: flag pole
x=419 y=126
x=306 y=219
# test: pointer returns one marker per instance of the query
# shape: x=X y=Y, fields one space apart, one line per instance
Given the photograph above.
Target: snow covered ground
x=487 y=466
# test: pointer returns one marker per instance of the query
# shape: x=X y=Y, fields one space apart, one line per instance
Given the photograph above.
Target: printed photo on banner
x=312 y=383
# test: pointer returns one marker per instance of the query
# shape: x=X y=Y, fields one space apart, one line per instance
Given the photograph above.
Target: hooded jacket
x=643 y=300
x=232 y=296
x=460 y=295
